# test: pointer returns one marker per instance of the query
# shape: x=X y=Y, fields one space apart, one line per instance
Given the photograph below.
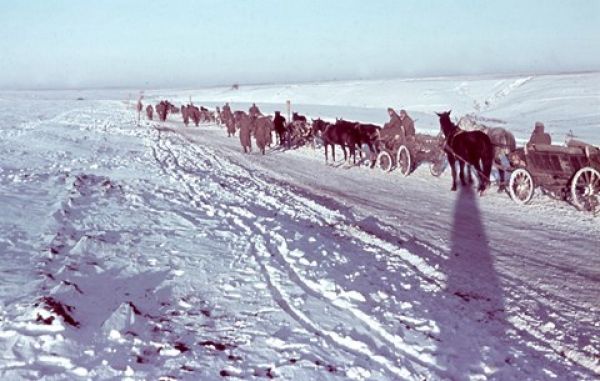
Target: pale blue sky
x=109 y=43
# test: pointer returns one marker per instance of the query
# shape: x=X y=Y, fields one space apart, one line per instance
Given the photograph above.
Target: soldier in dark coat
x=538 y=136
x=185 y=114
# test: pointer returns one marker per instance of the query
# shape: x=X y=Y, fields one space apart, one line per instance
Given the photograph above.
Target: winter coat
x=408 y=126
x=392 y=129
x=244 y=124
x=185 y=113
x=262 y=132
x=538 y=136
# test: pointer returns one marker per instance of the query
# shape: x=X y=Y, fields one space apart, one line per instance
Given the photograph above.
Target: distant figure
x=227 y=118
x=245 y=126
x=218 y=116
x=538 y=136
x=279 y=126
x=227 y=109
x=185 y=115
x=194 y=113
x=253 y=111
x=149 y=112
x=262 y=132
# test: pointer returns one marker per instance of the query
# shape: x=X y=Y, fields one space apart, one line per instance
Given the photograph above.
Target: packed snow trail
x=162 y=251
x=524 y=325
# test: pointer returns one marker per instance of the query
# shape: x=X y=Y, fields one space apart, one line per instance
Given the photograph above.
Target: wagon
x=570 y=173
x=407 y=155
x=298 y=133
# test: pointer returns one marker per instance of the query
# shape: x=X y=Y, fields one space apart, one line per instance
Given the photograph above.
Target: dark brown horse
x=368 y=134
x=467 y=147
x=342 y=133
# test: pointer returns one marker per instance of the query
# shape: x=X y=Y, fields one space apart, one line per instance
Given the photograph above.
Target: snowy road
x=162 y=251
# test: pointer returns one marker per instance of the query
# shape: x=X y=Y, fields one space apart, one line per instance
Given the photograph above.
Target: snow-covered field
x=158 y=251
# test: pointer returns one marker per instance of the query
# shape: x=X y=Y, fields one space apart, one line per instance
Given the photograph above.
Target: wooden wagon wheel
x=404 y=160
x=521 y=186
x=385 y=161
x=438 y=165
x=585 y=189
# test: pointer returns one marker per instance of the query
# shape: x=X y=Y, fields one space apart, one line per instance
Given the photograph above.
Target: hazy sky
x=56 y=44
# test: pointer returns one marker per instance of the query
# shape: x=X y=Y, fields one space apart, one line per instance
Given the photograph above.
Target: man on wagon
x=398 y=130
x=538 y=136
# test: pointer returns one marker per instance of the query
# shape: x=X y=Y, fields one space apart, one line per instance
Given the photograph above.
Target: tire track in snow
x=548 y=343
x=323 y=216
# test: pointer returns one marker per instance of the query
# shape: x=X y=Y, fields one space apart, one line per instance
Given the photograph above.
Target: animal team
x=479 y=149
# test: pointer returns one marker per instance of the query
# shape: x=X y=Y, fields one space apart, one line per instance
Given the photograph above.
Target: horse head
x=446 y=124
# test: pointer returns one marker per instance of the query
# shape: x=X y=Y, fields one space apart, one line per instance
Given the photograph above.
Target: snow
x=163 y=252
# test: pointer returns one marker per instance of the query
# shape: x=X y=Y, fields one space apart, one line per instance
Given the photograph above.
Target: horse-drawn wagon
x=408 y=153
x=570 y=173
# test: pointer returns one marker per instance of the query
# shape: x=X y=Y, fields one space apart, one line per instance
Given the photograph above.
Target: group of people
x=399 y=129
x=255 y=123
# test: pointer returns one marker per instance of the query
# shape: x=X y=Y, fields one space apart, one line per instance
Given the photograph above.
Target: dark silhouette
x=467 y=147
x=342 y=133
x=279 y=126
x=369 y=135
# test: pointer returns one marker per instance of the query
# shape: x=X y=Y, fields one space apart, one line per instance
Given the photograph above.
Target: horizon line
x=304 y=82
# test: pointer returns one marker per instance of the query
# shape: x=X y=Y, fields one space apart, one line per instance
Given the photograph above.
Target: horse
x=369 y=134
x=468 y=147
x=503 y=141
x=342 y=133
